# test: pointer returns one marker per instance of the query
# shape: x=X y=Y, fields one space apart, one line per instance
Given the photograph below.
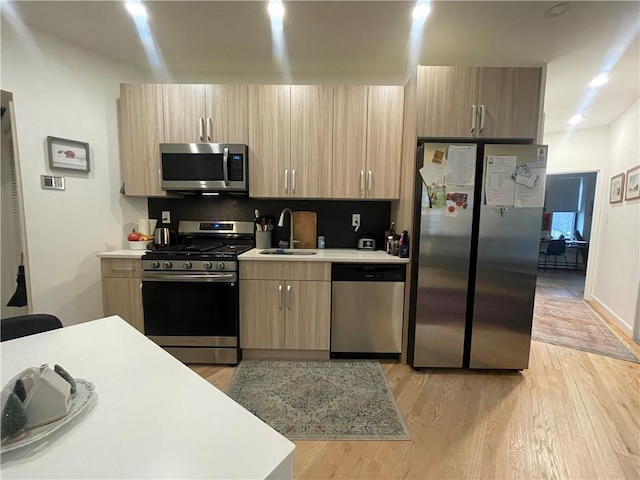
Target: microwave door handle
x=225 y=166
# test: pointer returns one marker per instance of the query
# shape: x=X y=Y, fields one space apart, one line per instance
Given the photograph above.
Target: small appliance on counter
x=366 y=243
x=163 y=237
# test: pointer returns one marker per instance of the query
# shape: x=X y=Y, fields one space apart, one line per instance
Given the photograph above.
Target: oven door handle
x=218 y=277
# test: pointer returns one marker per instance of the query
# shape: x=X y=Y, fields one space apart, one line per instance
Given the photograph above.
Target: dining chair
x=555 y=249
x=24 y=325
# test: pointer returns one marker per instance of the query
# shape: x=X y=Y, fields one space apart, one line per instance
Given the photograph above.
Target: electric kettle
x=162 y=237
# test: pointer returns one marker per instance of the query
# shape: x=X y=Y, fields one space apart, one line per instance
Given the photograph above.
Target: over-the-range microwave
x=204 y=167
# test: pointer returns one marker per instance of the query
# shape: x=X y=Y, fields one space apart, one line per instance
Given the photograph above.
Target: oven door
x=191 y=309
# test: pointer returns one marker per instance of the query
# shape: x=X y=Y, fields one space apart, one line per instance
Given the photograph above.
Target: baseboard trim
x=596 y=304
x=255 y=354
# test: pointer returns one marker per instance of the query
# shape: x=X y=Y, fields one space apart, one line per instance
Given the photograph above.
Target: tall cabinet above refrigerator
x=477 y=223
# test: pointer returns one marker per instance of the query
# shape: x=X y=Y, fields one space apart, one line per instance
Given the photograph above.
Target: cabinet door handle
x=362 y=180
x=286 y=180
x=370 y=179
x=293 y=181
x=280 y=292
x=201 y=128
x=123 y=269
x=473 y=118
x=209 y=128
x=481 y=117
x=288 y=297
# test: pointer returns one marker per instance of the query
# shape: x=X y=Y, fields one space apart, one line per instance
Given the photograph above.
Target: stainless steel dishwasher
x=367 y=305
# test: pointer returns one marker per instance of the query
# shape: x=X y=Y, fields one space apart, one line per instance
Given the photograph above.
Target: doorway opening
x=561 y=316
x=15 y=290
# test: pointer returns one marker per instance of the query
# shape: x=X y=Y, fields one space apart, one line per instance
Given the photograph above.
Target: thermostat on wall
x=51 y=182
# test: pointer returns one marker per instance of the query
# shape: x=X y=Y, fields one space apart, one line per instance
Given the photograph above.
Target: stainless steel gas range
x=190 y=291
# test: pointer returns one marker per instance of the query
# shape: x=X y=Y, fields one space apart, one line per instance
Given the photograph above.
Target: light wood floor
x=571 y=415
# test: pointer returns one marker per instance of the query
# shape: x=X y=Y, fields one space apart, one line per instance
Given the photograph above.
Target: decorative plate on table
x=85 y=395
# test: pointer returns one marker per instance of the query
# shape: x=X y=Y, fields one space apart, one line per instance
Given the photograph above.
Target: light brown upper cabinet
x=269 y=140
x=384 y=141
x=349 y=141
x=311 y=141
x=367 y=141
x=205 y=113
x=478 y=102
x=141 y=132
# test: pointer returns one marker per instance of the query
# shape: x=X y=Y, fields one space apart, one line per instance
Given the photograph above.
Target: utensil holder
x=263 y=239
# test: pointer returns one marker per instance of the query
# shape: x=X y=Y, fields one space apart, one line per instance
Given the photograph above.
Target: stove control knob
x=220 y=266
x=187 y=265
x=168 y=265
x=206 y=265
x=155 y=265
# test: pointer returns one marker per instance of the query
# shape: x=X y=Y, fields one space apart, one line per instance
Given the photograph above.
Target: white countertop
x=327 y=255
x=322 y=255
x=123 y=254
x=153 y=418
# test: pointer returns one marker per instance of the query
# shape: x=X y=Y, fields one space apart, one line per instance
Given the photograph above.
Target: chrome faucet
x=281 y=224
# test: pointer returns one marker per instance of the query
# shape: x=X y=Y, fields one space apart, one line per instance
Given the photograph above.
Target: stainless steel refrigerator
x=477 y=232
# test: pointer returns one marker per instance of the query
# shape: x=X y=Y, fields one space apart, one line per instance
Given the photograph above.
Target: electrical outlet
x=355 y=220
x=166 y=217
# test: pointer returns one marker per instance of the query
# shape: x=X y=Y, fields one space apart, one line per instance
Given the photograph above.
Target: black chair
x=555 y=249
x=24 y=325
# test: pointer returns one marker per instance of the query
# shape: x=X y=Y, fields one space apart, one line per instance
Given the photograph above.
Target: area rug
x=333 y=400
x=571 y=323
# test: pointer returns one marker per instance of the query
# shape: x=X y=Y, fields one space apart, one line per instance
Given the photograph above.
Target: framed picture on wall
x=632 y=191
x=68 y=154
x=617 y=188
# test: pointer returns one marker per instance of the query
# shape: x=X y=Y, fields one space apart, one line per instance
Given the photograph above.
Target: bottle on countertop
x=321 y=241
x=404 y=245
x=390 y=237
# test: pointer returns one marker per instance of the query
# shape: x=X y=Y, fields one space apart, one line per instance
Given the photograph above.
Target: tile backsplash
x=334 y=216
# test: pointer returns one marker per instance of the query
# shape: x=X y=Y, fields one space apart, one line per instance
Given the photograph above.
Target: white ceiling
x=366 y=41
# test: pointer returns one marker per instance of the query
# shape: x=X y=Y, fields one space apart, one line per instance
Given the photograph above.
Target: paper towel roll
x=143 y=226
x=152 y=226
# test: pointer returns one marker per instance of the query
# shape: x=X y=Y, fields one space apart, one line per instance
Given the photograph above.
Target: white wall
x=613 y=273
x=65 y=91
x=617 y=283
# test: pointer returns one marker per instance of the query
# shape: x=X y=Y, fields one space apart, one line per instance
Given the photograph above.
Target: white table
x=154 y=417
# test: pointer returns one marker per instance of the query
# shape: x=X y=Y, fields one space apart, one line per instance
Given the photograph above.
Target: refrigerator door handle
x=481 y=118
x=473 y=118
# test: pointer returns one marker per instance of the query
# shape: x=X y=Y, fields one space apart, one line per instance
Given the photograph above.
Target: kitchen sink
x=286 y=251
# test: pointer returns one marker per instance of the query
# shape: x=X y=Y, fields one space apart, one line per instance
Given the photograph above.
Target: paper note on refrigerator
x=499 y=182
x=526 y=196
x=461 y=164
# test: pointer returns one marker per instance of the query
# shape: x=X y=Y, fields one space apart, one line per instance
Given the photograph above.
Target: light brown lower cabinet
x=289 y=312
x=121 y=290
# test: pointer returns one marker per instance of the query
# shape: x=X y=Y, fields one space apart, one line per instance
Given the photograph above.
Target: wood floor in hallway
x=571 y=415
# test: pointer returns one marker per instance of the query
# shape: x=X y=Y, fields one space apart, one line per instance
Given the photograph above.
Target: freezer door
x=505 y=284
x=443 y=276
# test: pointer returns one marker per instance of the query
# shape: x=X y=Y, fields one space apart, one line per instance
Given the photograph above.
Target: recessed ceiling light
x=275 y=9
x=599 y=80
x=136 y=9
x=557 y=9
x=421 y=11
x=577 y=118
